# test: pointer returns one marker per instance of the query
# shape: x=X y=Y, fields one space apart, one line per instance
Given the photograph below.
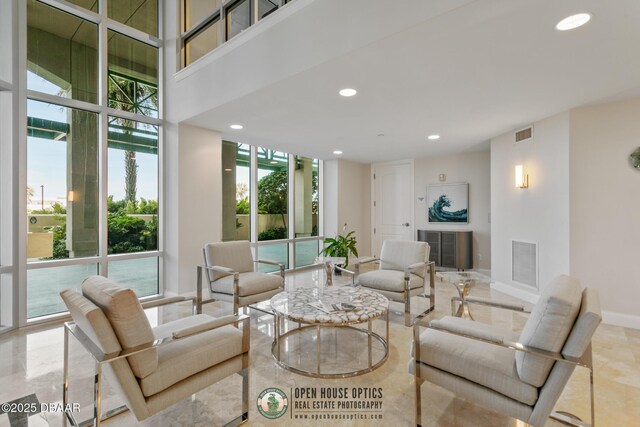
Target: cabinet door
x=433 y=239
x=448 y=249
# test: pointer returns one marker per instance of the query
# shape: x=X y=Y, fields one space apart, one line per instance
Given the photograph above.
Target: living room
x=472 y=93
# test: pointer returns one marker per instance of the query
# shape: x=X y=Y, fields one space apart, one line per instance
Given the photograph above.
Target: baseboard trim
x=515 y=291
x=620 y=319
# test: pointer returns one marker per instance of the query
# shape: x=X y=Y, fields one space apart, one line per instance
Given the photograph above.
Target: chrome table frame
x=279 y=337
x=100 y=359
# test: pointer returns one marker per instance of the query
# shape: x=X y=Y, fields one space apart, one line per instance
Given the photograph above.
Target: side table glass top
x=296 y=305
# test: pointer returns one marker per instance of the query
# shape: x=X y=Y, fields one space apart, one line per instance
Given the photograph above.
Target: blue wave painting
x=438 y=212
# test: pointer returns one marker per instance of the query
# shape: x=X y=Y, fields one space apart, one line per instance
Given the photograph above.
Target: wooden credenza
x=452 y=249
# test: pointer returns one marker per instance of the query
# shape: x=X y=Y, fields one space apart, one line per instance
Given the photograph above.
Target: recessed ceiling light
x=236 y=127
x=573 y=21
x=227 y=170
x=348 y=92
x=433 y=137
x=338 y=152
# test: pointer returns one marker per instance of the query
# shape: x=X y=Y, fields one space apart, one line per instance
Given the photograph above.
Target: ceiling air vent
x=525 y=134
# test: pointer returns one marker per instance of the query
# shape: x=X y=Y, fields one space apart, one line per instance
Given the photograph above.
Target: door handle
x=406 y=224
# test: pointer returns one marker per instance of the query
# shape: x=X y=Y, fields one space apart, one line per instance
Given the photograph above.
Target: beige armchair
x=402 y=274
x=522 y=375
x=151 y=368
x=230 y=271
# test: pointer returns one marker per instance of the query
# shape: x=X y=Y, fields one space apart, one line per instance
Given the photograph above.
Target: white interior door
x=393 y=203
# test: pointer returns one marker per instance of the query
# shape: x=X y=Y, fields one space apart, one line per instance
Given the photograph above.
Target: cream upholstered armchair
x=151 y=368
x=232 y=277
x=522 y=375
x=403 y=272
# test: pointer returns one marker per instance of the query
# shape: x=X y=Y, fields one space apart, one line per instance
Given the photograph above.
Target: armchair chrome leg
x=407 y=304
x=97 y=384
x=569 y=418
x=199 y=291
x=432 y=285
x=416 y=373
x=65 y=376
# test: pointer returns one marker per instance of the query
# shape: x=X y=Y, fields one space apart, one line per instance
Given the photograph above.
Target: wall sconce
x=522 y=179
x=70 y=196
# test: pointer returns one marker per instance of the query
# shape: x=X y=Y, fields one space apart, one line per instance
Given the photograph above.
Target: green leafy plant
x=273 y=234
x=341 y=246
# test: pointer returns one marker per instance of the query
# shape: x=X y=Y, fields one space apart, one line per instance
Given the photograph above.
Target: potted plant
x=341 y=246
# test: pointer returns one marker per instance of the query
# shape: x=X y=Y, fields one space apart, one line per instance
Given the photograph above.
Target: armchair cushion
x=248 y=284
x=234 y=255
x=548 y=327
x=388 y=280
x=92 y=321
x=487 y=365
x=127 y=318
x=180 y=359
x=586 y=325
x=399 y=254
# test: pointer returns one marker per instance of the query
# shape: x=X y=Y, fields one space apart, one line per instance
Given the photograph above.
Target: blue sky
x=47 y=159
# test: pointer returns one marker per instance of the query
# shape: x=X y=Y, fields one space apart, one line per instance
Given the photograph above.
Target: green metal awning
x=119 y=137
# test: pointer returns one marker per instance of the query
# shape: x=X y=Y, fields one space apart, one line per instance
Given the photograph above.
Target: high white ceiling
x=468 y=72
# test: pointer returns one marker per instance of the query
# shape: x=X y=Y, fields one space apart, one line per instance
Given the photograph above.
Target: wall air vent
x=524 y=135
x=524 y=263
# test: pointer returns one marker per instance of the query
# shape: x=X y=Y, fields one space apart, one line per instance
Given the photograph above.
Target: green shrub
x=242 y=206
x=273 y=234
x=126 y=233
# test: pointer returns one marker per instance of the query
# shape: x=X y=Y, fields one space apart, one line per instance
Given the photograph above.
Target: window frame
x=104 y=112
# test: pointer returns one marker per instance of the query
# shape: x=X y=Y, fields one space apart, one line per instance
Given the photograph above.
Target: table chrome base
x=275 y=350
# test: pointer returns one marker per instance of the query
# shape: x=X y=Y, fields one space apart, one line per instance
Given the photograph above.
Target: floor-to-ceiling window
x=306 y=209
x=7 y=170
x=273 y=206
x=92 y=187
x=284 y=224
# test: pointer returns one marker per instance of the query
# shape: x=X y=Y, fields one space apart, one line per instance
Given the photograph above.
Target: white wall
x=539 y=213
x=193 y=196
x=605 y=206
x=354 y=202
x=347 y=199
x=473 y=168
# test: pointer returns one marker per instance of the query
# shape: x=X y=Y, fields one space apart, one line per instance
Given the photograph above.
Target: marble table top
x=295 y=305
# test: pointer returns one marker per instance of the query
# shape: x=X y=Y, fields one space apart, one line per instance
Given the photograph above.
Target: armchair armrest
x=497 y=304
x=495 y=340
x=279 y=264
x=457 y=326
x=207 y=326
x=356 y=266
x=412 y=267
x=101 y=357
x=165 y=301
x=200 y=268
x=221 y=269
x=365 y=260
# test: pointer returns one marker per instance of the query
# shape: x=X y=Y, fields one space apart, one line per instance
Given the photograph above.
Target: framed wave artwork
x=448 y=203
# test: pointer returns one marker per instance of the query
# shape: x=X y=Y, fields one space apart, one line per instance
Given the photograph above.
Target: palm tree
x=133 y=96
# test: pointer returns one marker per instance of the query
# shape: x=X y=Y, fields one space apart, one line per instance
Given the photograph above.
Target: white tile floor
x=31 y=363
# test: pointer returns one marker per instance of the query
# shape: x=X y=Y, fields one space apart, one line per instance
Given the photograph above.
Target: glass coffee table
x=318 y=309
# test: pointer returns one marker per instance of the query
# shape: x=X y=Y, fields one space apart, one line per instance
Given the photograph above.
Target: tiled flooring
x=31 y=363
